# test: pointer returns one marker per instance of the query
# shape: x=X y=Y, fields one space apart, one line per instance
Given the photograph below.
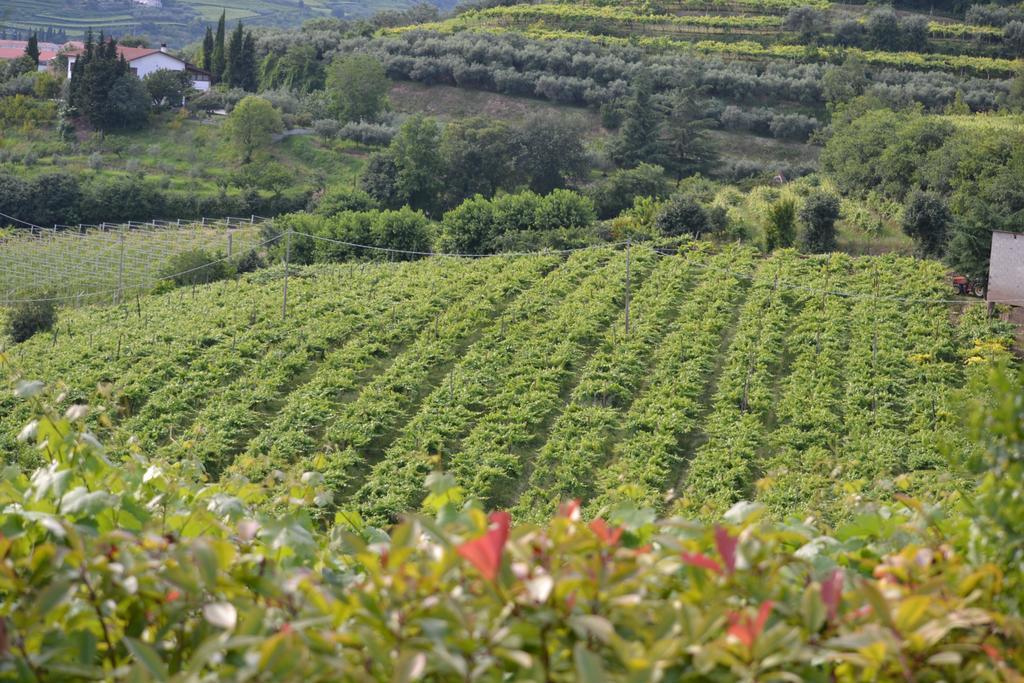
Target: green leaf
x=148 y=657
x=588 y=665
x=206 y=561
x=812 y=609
x=411 y=667
x=878 y=603
x=80 y=501
x=591 y=625
x=51 y=596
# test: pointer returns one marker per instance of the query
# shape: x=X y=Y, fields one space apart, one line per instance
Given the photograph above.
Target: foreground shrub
x=130 y=567
x=25 y=319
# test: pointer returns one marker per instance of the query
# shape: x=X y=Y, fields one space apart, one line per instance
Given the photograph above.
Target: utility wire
x=408 y=252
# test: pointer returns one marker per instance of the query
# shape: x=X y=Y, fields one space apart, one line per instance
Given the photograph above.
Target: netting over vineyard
x=99 y=262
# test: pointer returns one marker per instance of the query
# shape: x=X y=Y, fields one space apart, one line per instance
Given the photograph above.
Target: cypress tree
x=219 y=55
x=250 y=79
x=93 y=76
x=233 y=73
x=208 y=50
x=32 y=49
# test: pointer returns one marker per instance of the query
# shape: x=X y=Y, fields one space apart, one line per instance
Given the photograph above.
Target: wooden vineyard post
x=874 y=344
x=629 y=244
x=229 y=243
x=287 y=258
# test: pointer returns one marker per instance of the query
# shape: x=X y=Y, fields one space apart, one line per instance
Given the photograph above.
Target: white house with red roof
x=15 y=49
x=144 y=61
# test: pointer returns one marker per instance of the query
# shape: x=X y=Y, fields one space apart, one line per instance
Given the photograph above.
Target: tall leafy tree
x=479 y=159
x=251 y=125
x=549 y=151
x=417 y=155
x=926 y=218
x=299 y=68
x=358 y=86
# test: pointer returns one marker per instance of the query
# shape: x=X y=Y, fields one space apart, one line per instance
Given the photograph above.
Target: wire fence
x=105 y=263
x=86 y=262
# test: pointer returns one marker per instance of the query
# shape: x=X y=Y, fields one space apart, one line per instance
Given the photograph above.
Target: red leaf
x=285 y=628
x=861 y=612
x=726 y=544
x=172 y=595
x=992 y=652
x=701 y=560
x=762 y=616
x=485 y=552
x=832 y=592
x=570 y=509
x=745 y=629
x=607 y=535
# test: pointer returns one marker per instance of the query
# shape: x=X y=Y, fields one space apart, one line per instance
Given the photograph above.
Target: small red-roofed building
x=145 y=60
x=15 y=49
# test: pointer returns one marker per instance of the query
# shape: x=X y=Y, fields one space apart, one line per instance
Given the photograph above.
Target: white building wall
x=143 y=66
x=1006 y=272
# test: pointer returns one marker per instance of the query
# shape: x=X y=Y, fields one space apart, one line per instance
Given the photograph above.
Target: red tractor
x=965 y=286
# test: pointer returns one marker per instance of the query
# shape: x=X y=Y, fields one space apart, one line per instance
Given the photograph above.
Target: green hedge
x=120 y=566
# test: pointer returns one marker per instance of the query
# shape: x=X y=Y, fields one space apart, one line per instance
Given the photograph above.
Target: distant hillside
x=174 y=21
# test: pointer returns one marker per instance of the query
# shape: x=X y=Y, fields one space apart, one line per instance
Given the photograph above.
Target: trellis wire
x=143 y=265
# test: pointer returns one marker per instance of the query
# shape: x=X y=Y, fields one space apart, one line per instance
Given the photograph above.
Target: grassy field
x=736 y=379
x=175 y=153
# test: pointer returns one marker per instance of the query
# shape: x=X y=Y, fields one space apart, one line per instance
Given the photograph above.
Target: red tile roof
x=130 y=54
x=13 y=49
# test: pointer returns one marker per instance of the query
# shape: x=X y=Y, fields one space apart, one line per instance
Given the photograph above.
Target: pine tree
x=219 y=54
x=208 y=50
x=32 y=49
x=640 y=140
x=687 y=148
